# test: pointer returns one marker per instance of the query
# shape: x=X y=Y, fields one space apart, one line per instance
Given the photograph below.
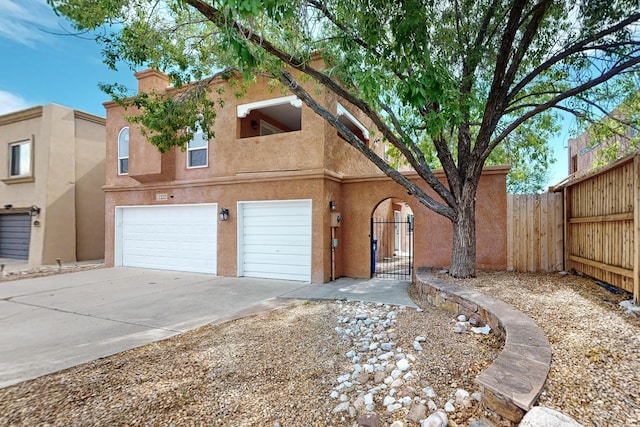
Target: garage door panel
x=275 y=272
x=274 y=249
x=284 y=240
x=277 y=208
x=277 y=258
x=277 y=231
x=293 y=270
x=15 y=236
x=181 y=237
x=276 y=239
x=294 y=220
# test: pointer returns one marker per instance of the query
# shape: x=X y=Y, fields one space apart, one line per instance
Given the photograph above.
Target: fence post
x=510 y=236
x=566 y=216
x=636 y=230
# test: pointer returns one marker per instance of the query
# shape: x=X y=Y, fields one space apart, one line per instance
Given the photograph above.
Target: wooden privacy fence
x=534 y=232
x=590 y=224
x=602 y=238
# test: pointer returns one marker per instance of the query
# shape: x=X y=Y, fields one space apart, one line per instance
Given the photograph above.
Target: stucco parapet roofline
x=244 y=178
x=19 y=116
x=81 y=115
x=149 y=72
x=413 y=175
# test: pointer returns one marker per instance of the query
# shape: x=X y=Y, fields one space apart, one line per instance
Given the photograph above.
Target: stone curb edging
x=514 y=381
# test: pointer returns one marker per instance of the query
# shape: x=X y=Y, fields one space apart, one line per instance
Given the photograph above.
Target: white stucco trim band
x=343 y=112
x=245 y=109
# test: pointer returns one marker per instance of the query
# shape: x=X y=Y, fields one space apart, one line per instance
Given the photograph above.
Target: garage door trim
x=119 y=255
x=306 y=230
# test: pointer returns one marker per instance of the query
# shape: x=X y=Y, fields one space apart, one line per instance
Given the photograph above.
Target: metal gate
x=392 y=248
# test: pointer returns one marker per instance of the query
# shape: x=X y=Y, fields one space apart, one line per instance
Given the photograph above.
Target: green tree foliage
x=615 y=134
x=465 y=82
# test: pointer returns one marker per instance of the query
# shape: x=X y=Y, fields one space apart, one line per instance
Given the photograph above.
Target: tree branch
x=555 y=101
x=578 y=47
x=290 y=82
x=216 y=17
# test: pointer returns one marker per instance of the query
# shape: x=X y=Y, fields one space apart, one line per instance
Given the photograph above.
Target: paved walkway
x=370 y=290
x=52 y=323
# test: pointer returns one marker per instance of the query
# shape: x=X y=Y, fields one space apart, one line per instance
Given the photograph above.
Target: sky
x=44 y=62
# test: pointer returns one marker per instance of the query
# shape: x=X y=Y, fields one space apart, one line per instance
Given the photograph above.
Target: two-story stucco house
x=51 y=178
x=262 y=198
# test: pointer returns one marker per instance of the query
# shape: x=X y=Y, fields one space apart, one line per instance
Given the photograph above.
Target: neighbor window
x=20 y=159
x=197 y=150
x=123 y=151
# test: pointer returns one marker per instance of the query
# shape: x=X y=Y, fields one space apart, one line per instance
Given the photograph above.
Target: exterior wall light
x=224 y=214
x=332 y=205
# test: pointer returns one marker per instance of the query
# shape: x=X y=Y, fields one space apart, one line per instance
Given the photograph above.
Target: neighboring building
x=583 y=150
x=256 y=199
x=52 y=173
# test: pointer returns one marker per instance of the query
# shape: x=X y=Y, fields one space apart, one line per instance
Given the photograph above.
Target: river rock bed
x=385 y=380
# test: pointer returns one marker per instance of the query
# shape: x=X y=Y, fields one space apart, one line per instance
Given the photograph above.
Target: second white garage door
x=274 y=239
x=176 y=237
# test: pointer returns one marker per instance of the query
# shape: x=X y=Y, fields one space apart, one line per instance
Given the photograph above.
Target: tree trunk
x=463 y=254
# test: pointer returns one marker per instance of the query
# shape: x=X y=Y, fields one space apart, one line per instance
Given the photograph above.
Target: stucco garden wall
x=433 y=233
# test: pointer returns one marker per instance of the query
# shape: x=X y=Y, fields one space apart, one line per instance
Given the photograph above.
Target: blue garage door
x=15 y=233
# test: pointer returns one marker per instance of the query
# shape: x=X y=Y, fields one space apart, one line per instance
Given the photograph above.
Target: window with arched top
x=123 y=151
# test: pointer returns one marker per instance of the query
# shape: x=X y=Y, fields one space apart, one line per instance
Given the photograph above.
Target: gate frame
x=409 y=229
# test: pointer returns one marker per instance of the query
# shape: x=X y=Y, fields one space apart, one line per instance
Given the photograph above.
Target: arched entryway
x=392 y=240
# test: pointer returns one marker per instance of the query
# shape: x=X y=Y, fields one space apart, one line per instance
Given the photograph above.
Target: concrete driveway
x=52 y=323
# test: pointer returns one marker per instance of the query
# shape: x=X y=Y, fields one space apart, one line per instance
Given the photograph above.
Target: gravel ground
x=9 y=273
x=595 y=368
x=276 y=367
x=279 y=368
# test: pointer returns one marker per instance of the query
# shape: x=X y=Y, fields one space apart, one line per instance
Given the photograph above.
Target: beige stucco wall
x=60 y=219
x=90 y=151
x=55 y=169
x=26 y=125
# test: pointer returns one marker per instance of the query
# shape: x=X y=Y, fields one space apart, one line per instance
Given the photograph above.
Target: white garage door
x=275 y=239
x=177 y=237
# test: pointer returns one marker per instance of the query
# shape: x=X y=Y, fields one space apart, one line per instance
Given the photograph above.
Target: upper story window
x=269 y=117
x=20 y=159
x=198 y=150
x=123 y=151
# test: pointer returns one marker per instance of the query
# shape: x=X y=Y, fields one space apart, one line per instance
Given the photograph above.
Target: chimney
x=152 y=80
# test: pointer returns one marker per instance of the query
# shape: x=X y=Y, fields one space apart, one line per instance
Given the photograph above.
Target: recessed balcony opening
x=269 y=117
x=353 y=125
